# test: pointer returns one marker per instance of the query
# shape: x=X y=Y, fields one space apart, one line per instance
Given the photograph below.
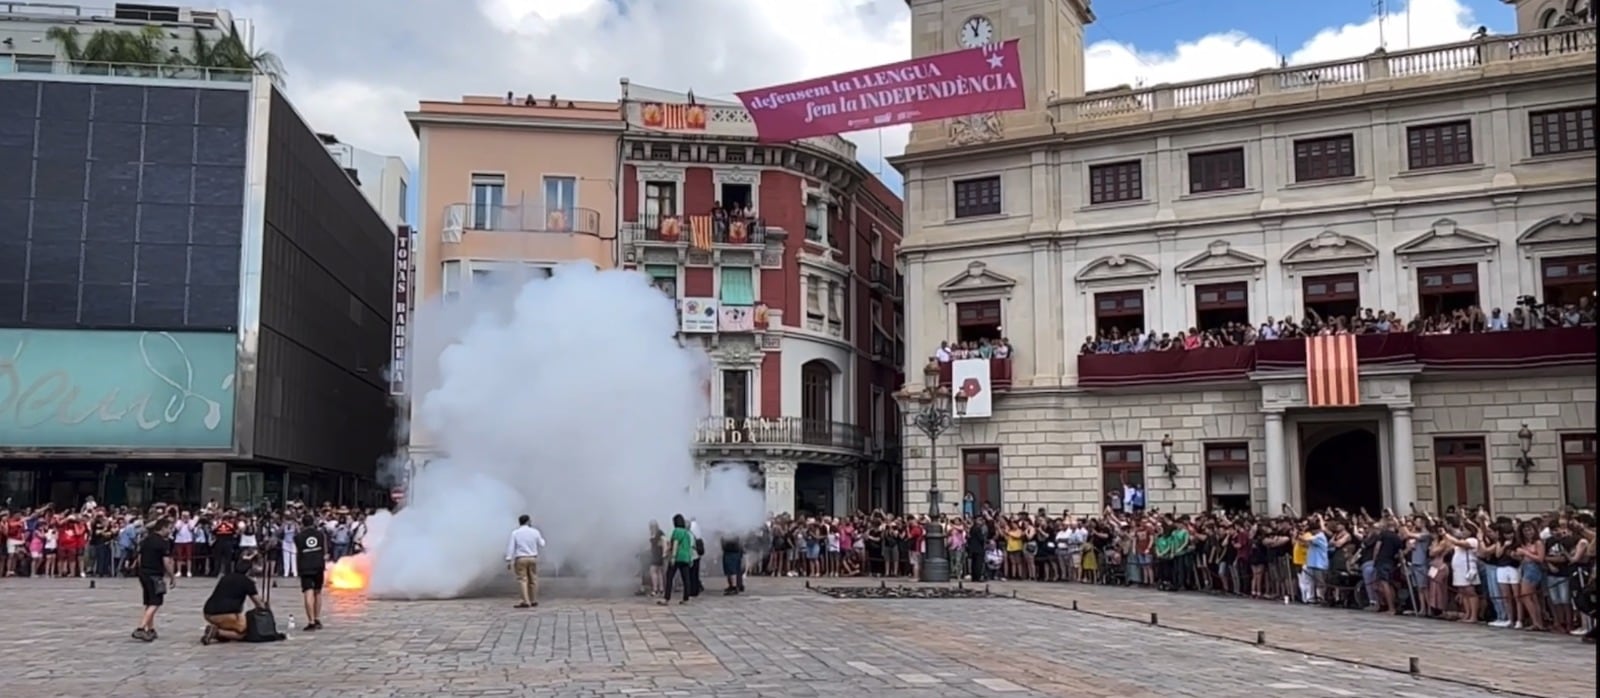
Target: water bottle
x=291 y=622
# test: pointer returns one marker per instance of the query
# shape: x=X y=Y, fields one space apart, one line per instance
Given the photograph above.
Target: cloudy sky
x=355 y=66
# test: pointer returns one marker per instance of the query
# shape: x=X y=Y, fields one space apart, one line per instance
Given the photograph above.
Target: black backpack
x=1587 y=600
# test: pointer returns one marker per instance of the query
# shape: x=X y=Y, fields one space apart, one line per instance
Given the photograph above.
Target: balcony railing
x=23 y=65
x=886 y=278
x=1489 y=351
x=519 y=219
x=1331 y=80
x=886 y=348
x=780 y=431
x=684 y=229
x=999 y=374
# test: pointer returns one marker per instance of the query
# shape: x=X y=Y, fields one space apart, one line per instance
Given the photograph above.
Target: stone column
x=1277 y=465
x=844 y=495
x=779 y=478
x=1402 y=465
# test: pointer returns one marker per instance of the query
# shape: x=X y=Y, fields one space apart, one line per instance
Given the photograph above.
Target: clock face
x=976 y=32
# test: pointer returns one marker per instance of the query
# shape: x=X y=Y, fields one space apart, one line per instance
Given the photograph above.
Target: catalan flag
x=700 y=232
x=1332 y=371
x=673 y=117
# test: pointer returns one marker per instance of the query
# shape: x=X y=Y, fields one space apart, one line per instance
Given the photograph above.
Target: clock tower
x=1050 y=34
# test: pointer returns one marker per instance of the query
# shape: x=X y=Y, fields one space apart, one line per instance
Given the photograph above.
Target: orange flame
x=346 y=575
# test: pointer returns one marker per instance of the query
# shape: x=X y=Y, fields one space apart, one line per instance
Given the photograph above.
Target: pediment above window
x=658 y=173
x=1444 y=241
x=1221 y=260
x=1330 y=250
x=1571 y=231
x=977 y=282
x=1117 y=269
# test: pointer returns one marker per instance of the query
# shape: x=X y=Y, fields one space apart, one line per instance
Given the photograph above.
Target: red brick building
x=782 y=258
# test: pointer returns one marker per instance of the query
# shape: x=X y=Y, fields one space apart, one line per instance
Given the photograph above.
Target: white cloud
x=356 y=65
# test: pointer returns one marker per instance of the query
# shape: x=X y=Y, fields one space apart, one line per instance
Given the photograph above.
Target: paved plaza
x=64 y=639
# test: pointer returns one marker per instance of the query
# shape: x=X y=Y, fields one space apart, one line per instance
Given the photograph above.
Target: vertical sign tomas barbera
x=958 y=83
x=402 y=310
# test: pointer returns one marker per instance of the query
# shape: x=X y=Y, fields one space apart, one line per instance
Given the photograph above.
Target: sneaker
x=139 y=634
x=209 y=635
x=1578 y=632
x=1500 y=624
x=1517 y=625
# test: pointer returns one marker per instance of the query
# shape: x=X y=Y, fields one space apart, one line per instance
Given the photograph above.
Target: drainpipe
x=616 y=186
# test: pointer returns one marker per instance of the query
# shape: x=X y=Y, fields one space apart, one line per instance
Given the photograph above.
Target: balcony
x=885 y=279
x=999 y=374
x=1436 y=354
x=1374 y=75
x=461 y=218
x=702 y=230
x=886 y=349
x=812 y=440
x=24 y=65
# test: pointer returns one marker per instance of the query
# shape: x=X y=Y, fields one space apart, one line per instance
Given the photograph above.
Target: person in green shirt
x=680 y=553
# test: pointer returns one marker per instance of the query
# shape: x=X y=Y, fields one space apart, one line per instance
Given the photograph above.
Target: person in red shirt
x=914 y=545
x=73 y=541
x=15 y=532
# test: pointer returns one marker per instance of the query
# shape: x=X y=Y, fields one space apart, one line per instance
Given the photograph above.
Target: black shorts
x=150 y=591
x=311 y=581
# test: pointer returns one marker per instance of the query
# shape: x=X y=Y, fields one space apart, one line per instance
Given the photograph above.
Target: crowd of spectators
x=1534 y=573
x=1523 y=316
x=101 y=541
x=981 y=349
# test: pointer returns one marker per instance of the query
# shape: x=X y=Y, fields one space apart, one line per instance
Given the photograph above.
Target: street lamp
x=933 y=414
x=1525 y=462
x=1169 y=467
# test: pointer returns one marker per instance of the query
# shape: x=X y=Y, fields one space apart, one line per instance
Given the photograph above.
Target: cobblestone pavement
x=63 y=639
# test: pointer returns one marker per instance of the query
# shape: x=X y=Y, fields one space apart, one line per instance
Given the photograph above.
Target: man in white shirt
x=522 y=556
x=943 y=355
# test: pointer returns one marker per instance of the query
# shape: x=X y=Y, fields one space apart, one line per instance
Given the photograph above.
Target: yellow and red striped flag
x=1332 y=371
x=700 y=232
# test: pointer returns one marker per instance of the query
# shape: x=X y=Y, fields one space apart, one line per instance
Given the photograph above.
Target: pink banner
x=959 y=83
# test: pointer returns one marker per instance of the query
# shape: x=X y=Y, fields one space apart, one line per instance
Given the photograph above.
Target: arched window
x=1548 y=19
x=816 y=397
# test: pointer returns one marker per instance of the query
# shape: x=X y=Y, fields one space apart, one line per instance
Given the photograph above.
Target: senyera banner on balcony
x=947 y=85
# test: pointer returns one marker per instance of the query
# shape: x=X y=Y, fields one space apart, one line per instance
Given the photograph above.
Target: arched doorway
x=1344 y=470
x=816 y=400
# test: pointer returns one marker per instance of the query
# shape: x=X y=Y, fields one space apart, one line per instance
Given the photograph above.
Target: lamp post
x=933 y=415
x=1525 y=442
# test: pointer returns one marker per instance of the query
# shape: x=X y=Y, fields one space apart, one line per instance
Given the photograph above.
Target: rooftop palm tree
x=112 y=48
x=231 y=52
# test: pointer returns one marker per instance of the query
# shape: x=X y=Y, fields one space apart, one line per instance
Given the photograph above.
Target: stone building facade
x=1411 y=181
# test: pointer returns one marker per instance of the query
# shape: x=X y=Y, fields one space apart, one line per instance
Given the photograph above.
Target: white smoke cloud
x=568 y=399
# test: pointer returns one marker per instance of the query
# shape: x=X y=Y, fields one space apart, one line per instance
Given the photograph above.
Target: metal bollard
x=91 y=584
x=1154 y=620
x=1261 y=637
x=1074 y=604
x=1413 y=666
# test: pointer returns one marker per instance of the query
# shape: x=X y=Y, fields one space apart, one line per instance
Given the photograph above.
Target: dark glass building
x=195 y=300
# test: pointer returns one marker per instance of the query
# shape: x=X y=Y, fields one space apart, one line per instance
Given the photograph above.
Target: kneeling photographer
x=224 y=610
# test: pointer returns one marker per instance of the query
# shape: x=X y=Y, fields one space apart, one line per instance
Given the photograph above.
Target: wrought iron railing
x=780 y=431
x=703 y=228
x=520 y=219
